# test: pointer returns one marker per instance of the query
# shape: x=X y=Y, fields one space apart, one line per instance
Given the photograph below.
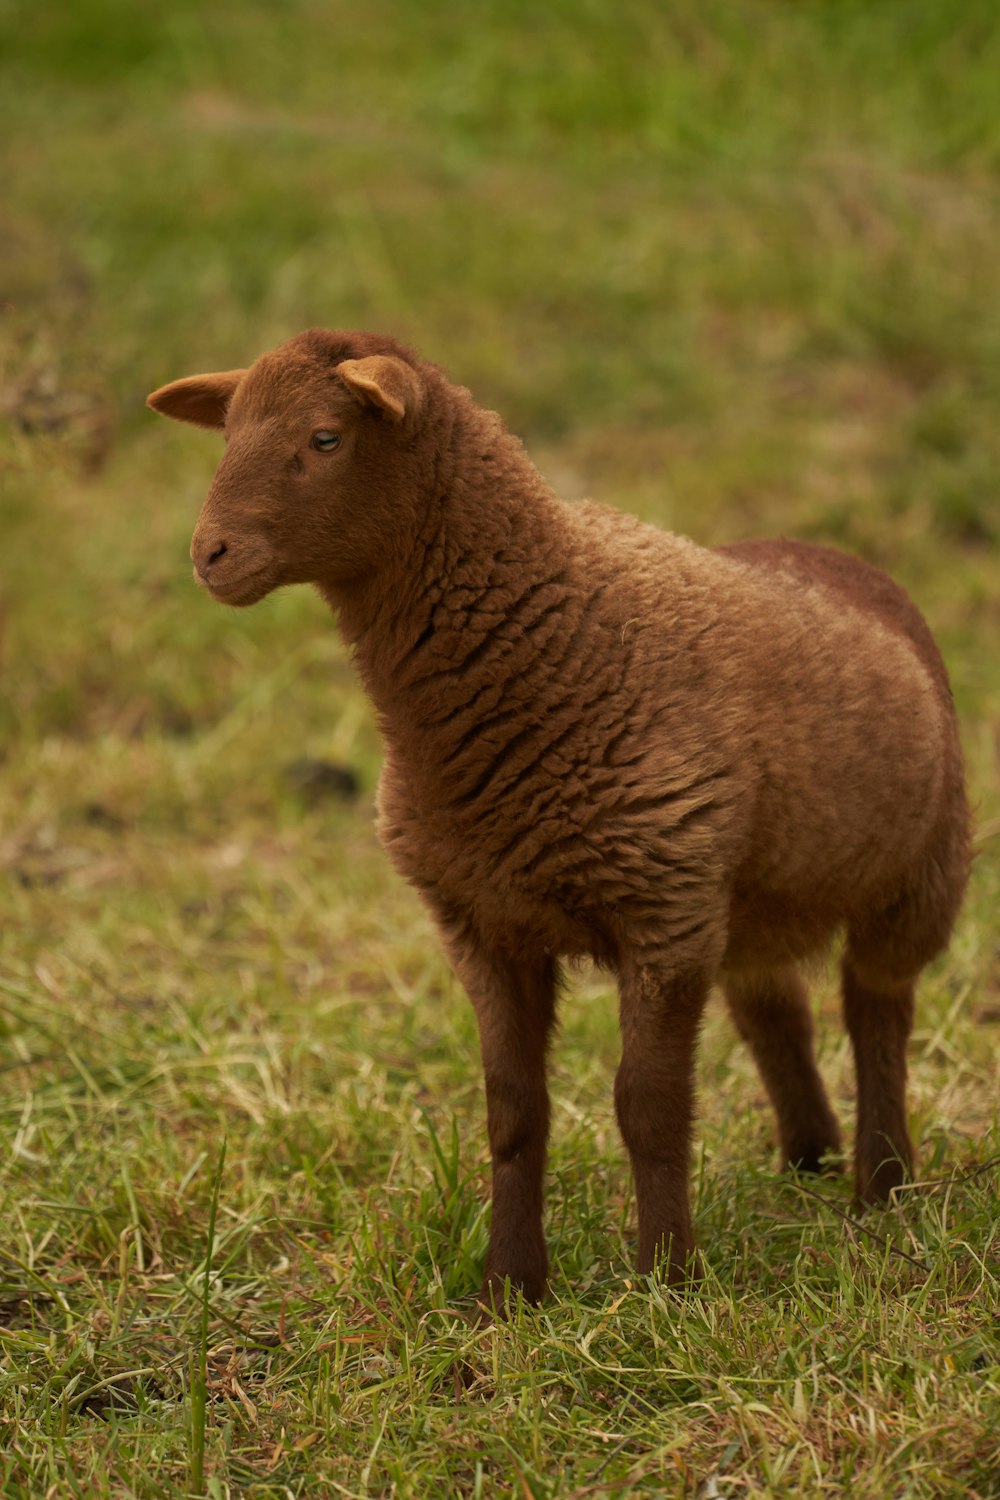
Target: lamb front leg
x=513 y=994
x=654 y=1099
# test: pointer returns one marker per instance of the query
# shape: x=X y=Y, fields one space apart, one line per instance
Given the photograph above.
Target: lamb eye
x=324 y=442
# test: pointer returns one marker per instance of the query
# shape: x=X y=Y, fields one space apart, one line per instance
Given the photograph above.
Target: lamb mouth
x=248 y=588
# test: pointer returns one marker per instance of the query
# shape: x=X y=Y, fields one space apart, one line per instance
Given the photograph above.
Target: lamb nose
x=204 y=556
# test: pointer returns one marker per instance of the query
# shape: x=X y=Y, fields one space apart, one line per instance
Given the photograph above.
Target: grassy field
x=730 y=265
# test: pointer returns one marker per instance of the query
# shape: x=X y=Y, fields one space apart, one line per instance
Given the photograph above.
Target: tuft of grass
x=199 y=1376
x=729 y=265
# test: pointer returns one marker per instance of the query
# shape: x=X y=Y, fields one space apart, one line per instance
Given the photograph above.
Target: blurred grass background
x=730 y=264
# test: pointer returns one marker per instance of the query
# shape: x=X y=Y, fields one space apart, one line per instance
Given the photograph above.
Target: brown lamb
x=692 y=765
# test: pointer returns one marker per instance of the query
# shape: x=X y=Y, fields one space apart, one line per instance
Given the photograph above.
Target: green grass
x=730 y=265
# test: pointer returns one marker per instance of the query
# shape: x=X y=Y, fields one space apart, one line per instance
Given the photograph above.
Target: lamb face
x=307 y=488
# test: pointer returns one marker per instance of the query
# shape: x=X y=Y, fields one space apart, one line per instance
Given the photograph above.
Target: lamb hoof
x=875 y=1186
x=498 y=1294
x=820 y=1160
x=681 y=1272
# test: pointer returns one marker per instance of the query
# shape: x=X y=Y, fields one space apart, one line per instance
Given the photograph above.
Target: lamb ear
x=385 y=382
x=201 y=399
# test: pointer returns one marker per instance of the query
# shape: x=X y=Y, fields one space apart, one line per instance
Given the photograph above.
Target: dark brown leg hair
x=772 y=1015
x=514 y=998
x=879 y=1017
x=654 y=1100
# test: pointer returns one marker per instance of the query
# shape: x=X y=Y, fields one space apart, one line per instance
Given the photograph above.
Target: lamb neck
x=464 y=610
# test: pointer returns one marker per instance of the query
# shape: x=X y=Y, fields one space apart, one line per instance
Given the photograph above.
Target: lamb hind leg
x=879 y=1017
x=772 y=1014
x=886 y=951
x=654 y=1097
x=514 y=1001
